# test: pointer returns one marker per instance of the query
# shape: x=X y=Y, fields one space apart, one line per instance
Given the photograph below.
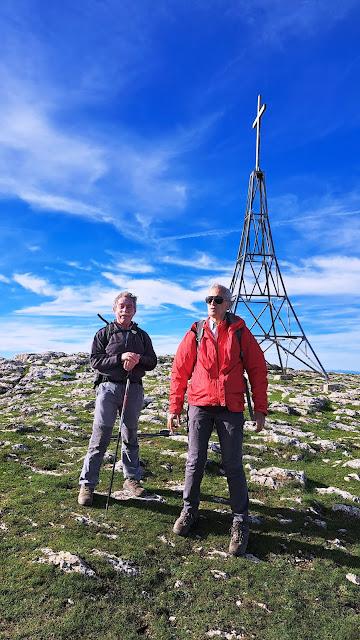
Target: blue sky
x=125 y=152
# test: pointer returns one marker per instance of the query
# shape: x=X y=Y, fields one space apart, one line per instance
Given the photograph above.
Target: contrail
x=199 y=234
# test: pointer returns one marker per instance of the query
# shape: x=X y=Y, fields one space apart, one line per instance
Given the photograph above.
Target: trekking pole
x=248 y=397
x=103 y=319
x=126 y=393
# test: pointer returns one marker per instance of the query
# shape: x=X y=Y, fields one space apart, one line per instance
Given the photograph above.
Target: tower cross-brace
x=256 y=123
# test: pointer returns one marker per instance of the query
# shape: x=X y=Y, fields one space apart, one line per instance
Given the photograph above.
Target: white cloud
x=34 y=284
x=153 y=293
x=37 y=337
x=43 y=151
x=328 y=221
x=74 y=301
x=325 y=276
x=165 y=345
x=331 y=276
x=276 y=21
x=4 y=279
x=219 y=277
x=202 y=234
x=146 y=172
x=338 y=350
x=76 y=265
x=201 y=261
x=108 y=173
x=133 y=265
x=52 y=202
x=44 y=165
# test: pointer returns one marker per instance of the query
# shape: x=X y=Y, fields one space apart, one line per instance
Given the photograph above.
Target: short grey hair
x=226 y=293
x=124 y=294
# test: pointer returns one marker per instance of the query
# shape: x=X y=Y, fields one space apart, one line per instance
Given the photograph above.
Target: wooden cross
x=256 y=123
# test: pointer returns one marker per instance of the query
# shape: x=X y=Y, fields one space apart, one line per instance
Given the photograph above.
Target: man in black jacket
x=119 y=350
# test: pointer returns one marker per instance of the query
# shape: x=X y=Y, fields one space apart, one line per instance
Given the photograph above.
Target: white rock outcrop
x=276 y=477
x=68 y=562
x=118 y=564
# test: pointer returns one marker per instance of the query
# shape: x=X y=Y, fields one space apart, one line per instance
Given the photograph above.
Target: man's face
x=217 y=311
x=125 y=311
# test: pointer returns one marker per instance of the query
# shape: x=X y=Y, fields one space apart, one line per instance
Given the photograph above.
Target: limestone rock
x=66 y=561
x=324 y=445
x=340 y=426
x=252 y=558
x=225 y=635
x=118 y=564
x=339 y=492
x=311 y=404
x=352 y=476
x=178 y=437
x=219 y=575
x=284 y=408
x=288 y=441
x=169 y=452
x=166 y=541
x=89 y=521
x=175 y=486
x=179 y=584
x=276 y=477
x=148 y=400
x=20 y=447
x=349 y=510
x=149 y=497
x=353 y=464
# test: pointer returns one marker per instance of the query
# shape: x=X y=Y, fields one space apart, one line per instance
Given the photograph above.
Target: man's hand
x=173 y=422
x=130 y=360
x=259 y=420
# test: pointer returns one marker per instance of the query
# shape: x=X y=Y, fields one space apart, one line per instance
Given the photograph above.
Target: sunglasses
x=216 y=299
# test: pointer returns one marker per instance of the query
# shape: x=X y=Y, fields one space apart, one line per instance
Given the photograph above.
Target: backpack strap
x=108 y=332
x=140 y=332
x=238 y=335
x=199 y=331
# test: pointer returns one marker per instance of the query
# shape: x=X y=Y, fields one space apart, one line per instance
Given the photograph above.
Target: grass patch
x=298 y=590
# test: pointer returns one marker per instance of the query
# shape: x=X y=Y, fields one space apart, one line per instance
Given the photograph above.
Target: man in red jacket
x=215 y=367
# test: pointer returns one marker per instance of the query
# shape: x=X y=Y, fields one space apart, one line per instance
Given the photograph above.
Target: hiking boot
x=239 y=538
x=86 y=495
x=134 y=487
x=184 y=523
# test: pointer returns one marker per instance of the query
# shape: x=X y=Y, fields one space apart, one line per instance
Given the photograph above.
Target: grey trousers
x=109 y=399
x=229 y=427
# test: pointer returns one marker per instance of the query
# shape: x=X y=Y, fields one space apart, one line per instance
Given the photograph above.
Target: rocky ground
x=303 y=472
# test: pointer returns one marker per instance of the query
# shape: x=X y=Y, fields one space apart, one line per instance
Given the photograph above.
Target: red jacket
x=216 y=371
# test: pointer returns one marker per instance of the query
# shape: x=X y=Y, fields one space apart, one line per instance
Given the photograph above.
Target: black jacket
x=111 y=342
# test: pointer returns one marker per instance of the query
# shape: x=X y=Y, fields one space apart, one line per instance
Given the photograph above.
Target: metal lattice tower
x=257 y=285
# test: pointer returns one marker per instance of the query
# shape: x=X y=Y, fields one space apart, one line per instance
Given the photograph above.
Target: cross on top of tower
x=256 y=123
